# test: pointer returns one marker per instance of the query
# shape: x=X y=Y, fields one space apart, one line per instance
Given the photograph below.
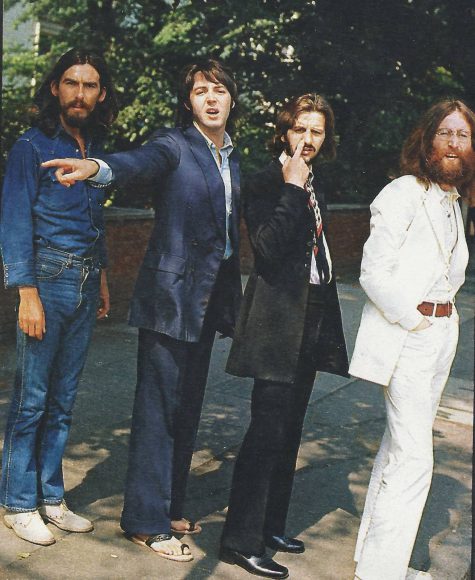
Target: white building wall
x=14 y=33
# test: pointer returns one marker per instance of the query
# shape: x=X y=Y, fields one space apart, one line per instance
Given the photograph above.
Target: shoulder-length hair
x=47 y=105
x=214 y=71
x=287 y=116
x=416 y=151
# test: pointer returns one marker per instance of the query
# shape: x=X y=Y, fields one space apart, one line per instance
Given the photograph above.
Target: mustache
x=77 y=104
x=454 y=176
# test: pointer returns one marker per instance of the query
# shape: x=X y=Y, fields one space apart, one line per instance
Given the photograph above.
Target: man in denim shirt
x=53 y=251
x=188 y=288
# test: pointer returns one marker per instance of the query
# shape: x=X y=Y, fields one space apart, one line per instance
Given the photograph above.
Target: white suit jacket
x=403 y=258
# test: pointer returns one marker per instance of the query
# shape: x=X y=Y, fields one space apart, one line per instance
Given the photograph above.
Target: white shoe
x=63 y=518
x=29 y=526
x=417 y=575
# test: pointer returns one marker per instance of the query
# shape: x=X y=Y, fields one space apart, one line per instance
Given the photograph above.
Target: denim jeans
x=46 y=381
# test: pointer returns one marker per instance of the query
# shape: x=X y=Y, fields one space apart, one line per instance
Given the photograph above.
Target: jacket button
x=194 y=242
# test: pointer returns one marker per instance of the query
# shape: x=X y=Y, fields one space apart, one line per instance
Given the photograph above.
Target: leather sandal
x=193 y=528
x=163 y=544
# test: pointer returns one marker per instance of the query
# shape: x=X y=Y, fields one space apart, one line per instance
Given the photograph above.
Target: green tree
x=379 y=64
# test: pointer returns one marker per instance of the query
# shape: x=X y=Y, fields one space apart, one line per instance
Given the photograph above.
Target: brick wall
x=348 y=230
x=128 y=231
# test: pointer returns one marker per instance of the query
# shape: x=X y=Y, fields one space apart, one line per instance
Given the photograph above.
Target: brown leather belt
x=435 y=309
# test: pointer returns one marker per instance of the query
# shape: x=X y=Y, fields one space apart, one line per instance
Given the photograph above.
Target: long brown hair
x=48 y=111
x=417 y=148
x=287 y=116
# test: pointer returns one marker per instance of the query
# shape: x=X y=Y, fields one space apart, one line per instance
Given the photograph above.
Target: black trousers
x=264 y=471
x=171 y=380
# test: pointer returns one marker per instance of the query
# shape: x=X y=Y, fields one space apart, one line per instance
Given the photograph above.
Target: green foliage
x=379 y=63
x=20 y=70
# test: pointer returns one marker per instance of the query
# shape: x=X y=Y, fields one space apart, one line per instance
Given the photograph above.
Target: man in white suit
x=413 y=264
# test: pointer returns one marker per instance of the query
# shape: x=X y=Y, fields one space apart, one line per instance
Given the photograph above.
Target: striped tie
x=318 y=245
x=313 y=204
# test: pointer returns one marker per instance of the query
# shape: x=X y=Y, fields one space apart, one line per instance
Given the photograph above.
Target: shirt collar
x=60 y=130
x=283 y=156
x=452 y=195
x=227 y=142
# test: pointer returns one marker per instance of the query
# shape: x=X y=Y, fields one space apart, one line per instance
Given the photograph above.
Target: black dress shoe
x=259 y=565
x=285 y=544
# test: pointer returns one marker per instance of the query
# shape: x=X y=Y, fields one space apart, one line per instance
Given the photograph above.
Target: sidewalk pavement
x=343 y=428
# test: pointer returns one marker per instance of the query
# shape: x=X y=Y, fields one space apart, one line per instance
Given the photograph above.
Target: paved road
x=342 y=432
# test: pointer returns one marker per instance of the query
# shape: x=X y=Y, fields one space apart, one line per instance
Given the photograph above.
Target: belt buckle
x=434 y=309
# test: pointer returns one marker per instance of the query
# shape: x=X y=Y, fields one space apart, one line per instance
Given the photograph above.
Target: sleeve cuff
x=296 y=189
x=103 y=177
x=295 y=195
x=19 y=274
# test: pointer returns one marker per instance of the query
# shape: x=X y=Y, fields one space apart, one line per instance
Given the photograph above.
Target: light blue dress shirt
x=223 y=154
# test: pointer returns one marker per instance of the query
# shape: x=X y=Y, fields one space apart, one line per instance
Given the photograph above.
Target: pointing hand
x=71 y=170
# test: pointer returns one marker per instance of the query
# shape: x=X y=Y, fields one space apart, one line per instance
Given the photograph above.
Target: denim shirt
x=37 y=211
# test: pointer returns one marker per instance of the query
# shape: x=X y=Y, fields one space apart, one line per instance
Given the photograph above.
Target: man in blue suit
x=188 y=288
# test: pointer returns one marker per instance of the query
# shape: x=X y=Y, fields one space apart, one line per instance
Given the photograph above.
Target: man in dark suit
x=289 y=327
x=187 y=289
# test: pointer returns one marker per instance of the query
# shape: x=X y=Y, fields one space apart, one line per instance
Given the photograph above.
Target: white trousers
x=402 y=471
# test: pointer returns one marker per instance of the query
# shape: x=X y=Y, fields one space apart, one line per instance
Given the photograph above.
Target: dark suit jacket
x=270 y=328
x=188 y=240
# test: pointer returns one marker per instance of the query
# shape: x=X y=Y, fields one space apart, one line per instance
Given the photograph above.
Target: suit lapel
x=460 y=253
x=211 y=174
x=435 y=216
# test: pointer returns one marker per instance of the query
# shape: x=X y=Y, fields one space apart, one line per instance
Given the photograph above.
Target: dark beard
x=453 y=177
x=76 y=122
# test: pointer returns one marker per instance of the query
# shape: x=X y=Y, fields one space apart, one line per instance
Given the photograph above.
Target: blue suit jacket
x=188 y=240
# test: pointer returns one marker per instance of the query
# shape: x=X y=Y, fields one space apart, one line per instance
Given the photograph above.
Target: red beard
x=453 y=173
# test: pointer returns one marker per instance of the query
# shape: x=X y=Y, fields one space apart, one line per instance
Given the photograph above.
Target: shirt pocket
x=58 y=197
